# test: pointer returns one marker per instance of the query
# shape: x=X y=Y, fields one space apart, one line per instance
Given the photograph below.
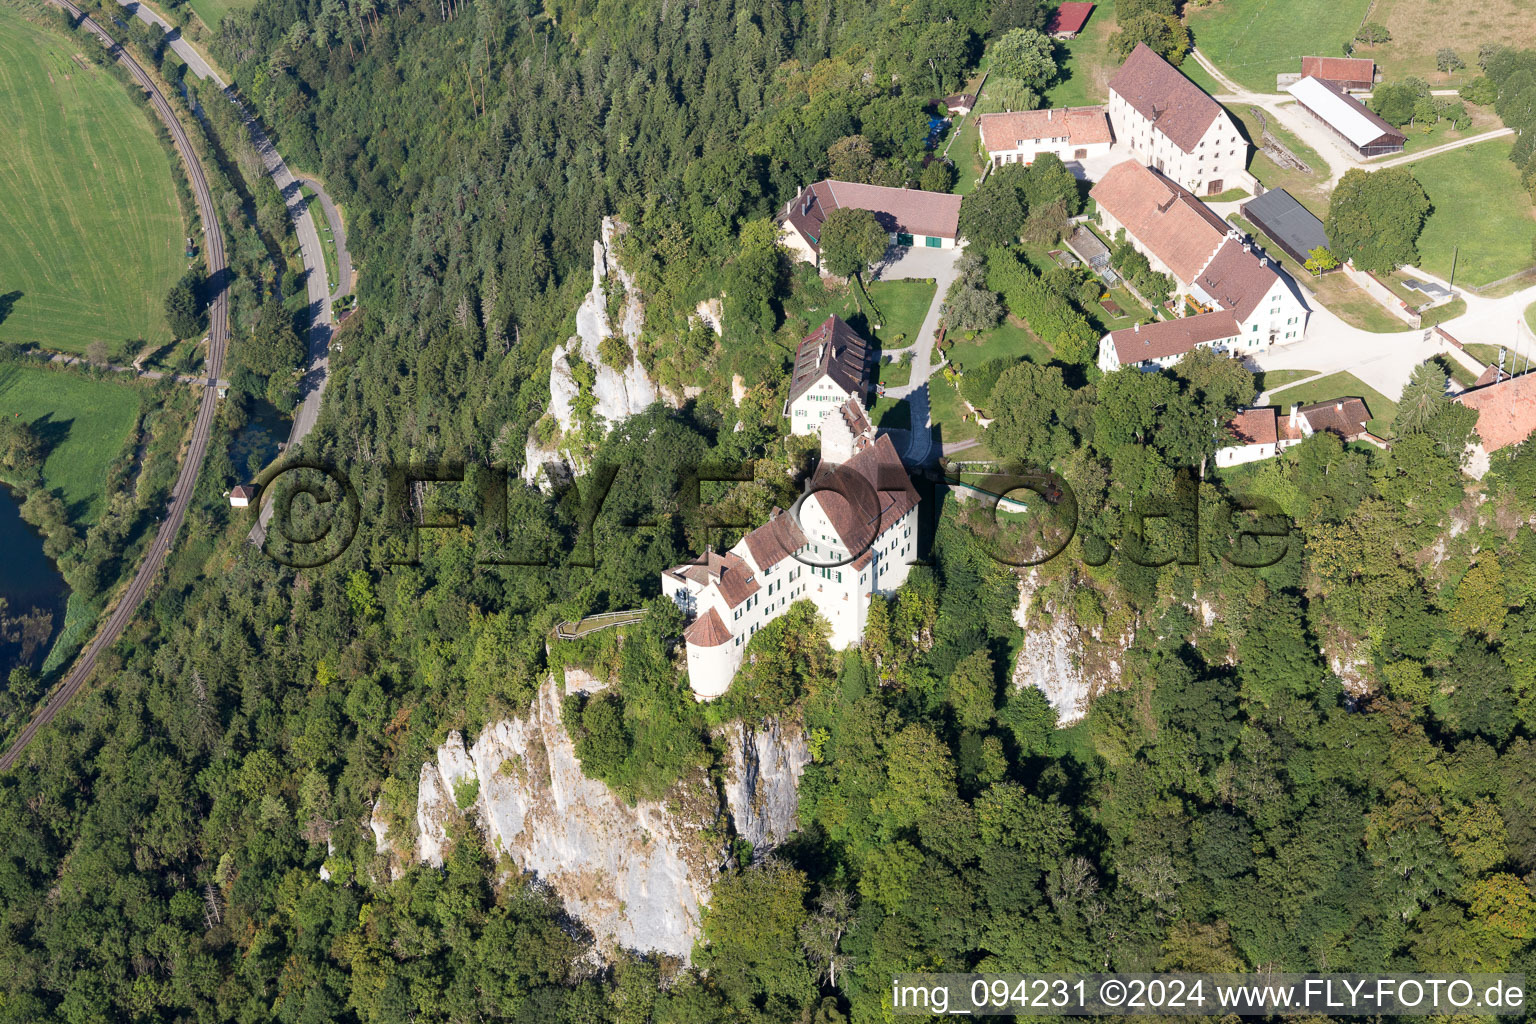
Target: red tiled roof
x=1339 y=69
x=1172 y=337
x=1177 y=107
x=775 y=540
x=835 y=350
x=1082 y=126
x=1344 y=416
x=1506 y=411
x=1237 y=279
x=1069 y=17
x=736 y=580
x=708 y=630
x=859 y=515
x=1490 y=375
x=1166 y=219
x=1255 y=426
x=899 y=210
x=242 y=491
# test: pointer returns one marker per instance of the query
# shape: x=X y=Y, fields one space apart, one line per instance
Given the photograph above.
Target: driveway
x=904 y=264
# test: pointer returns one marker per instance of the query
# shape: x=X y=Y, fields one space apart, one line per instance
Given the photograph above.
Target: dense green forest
x=1230 y=807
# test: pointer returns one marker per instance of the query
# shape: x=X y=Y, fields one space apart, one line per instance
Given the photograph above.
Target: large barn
x=1288 y=224
x=1352 y=121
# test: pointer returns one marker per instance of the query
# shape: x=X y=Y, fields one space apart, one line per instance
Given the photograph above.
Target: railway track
x=186 y=481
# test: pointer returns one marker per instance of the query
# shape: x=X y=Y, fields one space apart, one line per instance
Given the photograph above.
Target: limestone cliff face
x=1067 y=663
x=637 y=876
x=761 y=780
x=619 y=394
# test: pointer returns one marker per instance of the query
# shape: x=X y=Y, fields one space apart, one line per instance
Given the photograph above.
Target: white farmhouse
x=1074 y=134
x=854 y=534
x=913 y=217
x=1170 y=123
x=831 y=366
x=1246 y=303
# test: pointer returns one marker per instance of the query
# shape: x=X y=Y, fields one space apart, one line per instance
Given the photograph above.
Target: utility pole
x=1455 y=251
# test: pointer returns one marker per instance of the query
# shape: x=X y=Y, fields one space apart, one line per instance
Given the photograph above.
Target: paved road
x=312 y=385
x=938 y=264
x=196 y=63
x=338 y=234
x=1283 y=108
x=186 y=480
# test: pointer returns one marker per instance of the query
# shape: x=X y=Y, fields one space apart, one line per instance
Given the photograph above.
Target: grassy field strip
x=83 y=421
x=93 y=232
x=1480 y=207
x=1252 y=41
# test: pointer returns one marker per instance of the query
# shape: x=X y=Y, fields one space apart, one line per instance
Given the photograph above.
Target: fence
x=569 y=630
x=1383 y=295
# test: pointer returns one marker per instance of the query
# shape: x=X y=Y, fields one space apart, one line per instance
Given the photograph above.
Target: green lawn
x=1310 y=189
x=1478 y=206
x=945 y=409
x=891 y=413
x=1530 y=316
x=211 y=12
x=92 y=235
x=1010 y=338
x=1266 y=380
x=1252 y=41
x=1086 y=63
x=1343 y=385
x=83 y=421
x=901 y=306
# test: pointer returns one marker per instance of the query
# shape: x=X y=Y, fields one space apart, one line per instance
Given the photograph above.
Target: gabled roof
x=1280 y=216
x=708 y=630
x=1506 y=411
x=243 y=491
x=1165 y=218
x=1344 y=416
x=1177 y=107
x=899 y=210
x=1343 y=113
x=1172 y=337
x=1255 y=426
x=736 y=580
x=1082 y=126
x=860 y=514
x=775 y=540
x=1339 y=69
x=1238 y=279
x=834 y=350
x=1069 y=17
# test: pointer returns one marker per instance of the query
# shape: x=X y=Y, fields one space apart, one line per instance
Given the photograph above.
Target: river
x=32 y=589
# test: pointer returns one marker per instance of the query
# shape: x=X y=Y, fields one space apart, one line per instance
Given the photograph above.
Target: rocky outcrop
x=1067 y=663
x=616 y=394
x=637 y=876
x=761 y=779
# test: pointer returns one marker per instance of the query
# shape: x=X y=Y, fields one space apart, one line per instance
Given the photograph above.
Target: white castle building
x=853 y=535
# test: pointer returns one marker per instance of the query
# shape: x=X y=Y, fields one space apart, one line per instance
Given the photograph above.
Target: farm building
x=1348 y=118
x=1068 y=20
x=913 y=217
x=1506 y=415
x=1072 y=133
x=1344 y=72
x=831 y=366
x=960 y=103
x=1288 y=224
x=1171 y=124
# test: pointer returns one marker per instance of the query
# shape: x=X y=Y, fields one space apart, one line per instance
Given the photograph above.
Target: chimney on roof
x=1339 y=406
x=1295 y=412
x=1137 y=328
x=1050 y=115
